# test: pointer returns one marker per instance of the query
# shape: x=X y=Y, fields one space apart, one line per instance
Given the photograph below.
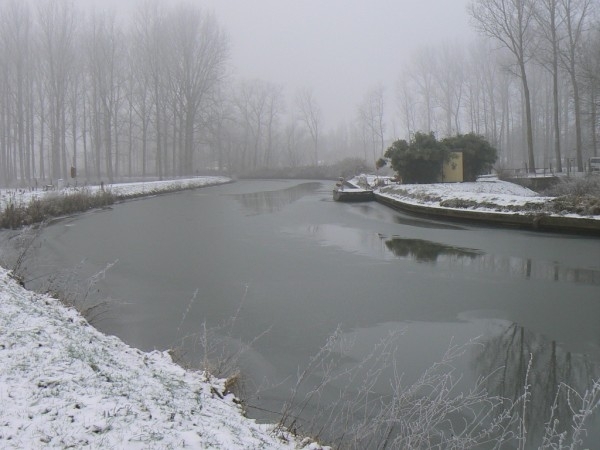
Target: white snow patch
x=22 y=197
x=64 y=384
x=491 y=191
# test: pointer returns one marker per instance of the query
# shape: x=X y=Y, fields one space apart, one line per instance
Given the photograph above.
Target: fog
x=163 y=88
x=338 y=48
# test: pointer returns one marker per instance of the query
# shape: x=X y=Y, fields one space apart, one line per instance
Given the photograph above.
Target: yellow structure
x=452 y=171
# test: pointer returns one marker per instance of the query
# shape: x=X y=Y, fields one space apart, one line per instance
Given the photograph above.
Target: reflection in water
x=267 y=202
x=424 y=223
x=407 y=367
x=380 y=247
x=389 y=215
x=426 y=251
x=528 y=268
x=516 y=358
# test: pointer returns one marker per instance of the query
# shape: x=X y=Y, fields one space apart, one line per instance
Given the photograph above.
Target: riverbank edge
x=535 y=222
x=273 y=430
x=108 y=195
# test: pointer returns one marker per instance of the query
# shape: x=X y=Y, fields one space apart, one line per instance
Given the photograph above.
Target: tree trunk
x=159 y=167
x=84 y=139
x=594 y=119
x=577 y=105
x=557 y=152
x=529 y=124
x=108 y=144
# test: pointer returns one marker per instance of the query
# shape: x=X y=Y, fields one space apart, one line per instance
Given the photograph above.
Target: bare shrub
x=17 y=250
x=578 y=187
x=79 y=292
x=16 y=215
x=576 y=196
x=214 y=349
x=432 y=412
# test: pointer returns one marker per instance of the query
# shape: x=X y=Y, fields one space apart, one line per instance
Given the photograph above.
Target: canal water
x=261 y=274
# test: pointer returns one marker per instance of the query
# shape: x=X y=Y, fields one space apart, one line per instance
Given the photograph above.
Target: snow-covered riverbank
x=487 y=195
x=63 y=384
x=484 y=192
x=22 y=197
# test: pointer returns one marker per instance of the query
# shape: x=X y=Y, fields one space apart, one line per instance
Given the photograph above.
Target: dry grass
x=15 y=215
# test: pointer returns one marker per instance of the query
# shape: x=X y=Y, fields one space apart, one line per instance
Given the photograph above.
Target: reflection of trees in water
x=272 y=201
x=507 y=357
x=532 y=269
x=479 y=262
x=426 y=251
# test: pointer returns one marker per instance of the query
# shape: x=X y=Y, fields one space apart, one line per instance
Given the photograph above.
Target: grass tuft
x=16 y=215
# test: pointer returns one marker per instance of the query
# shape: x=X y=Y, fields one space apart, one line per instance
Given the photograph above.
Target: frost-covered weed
x=214 y=349
x=432 y=412
x=76 y=291
x=578 y=187
x=16 y=215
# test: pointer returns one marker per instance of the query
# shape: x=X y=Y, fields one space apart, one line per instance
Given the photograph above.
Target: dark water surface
x=282 y=256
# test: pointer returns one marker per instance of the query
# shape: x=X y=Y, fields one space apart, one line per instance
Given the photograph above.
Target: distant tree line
x=153 y=95
x=88 y=95
x=531 y=86
x=81 y=93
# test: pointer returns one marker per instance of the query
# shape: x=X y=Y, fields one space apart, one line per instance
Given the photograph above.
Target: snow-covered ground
x=486 y=195
x=490 y=191
x=63 y=384
x=22 y=197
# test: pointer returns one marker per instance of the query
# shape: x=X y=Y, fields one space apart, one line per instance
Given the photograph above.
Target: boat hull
x=353 y=195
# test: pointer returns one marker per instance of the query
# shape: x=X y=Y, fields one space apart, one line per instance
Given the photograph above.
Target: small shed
x=452 y=172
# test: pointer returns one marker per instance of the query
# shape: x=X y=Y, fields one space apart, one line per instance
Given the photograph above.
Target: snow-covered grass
x=63 y=384
x=485 y=195
x=21 y=207
x=495 y=191
x=22 y=197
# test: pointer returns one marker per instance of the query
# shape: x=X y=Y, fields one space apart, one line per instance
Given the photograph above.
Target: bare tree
x=293 y=141
x=199 y=50
x=151 y=30
x=546 y=17
x=510 y=23
x=310 y=114
x=370 y=116
x=16 y=37
x=406 y=101
x=449 y=78
x=142 y=104
x=221 y=131
x=573 y=15
x=57 y=22
x=422 y=74
x=259 y=105
x=275 y=107
x=105 y=56
x=485 y=93
x=591 y=75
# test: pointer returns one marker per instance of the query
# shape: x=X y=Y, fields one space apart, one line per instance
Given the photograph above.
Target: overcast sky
x=338 y=48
